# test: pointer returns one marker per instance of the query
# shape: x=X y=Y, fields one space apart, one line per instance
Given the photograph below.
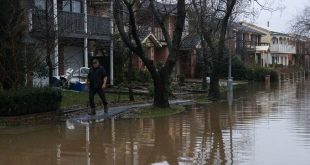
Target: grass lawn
x=71 y=98
x=153 y=112
x=202 y=100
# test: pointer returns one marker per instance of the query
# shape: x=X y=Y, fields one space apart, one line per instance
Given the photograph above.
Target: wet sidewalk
x=114 y=111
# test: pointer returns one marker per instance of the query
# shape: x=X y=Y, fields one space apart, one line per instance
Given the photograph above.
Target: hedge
x=259 y=74
x=29 y=101
x=242 y=72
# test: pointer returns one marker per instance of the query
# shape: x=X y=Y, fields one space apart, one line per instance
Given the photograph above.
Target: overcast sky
x=280 y=19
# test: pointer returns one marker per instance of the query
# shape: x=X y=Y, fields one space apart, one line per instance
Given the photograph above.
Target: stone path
x=113 y=111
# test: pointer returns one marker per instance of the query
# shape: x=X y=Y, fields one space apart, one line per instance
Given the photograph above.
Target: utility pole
x=111 y=47
x=85 y=39
x=229 y=81
x=55 y=16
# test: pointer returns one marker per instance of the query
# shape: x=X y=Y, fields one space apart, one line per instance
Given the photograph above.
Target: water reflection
x=252 y=126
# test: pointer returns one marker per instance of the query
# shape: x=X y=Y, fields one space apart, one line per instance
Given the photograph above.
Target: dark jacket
x=96 y=76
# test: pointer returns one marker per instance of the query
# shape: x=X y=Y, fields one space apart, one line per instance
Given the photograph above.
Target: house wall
x=263 y=58
x=73 y=57
x=231 y=42
x=99 y=10
x=161 y=54
x=171 y=22
x=187 y=63
x=284 y=59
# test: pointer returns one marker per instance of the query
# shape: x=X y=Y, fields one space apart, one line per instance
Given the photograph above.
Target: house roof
x=240 y=27
x=190 y=42
x=146 y=34
x=260 y=28
x=162 y=7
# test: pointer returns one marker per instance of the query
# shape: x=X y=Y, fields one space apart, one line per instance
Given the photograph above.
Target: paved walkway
x=113 y=111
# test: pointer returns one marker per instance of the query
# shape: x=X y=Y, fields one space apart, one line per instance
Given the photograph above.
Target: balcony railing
x=262 y=44
x=246 y=45
x=283 y=48
x=69 y=23
x=250 y=45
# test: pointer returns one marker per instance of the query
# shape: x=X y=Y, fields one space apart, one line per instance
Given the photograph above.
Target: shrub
x=143 y=76
x=274 y=76
x=181 y=79
x=238 y=69
x=259 y=74
x=29 y=101
x=151 y=90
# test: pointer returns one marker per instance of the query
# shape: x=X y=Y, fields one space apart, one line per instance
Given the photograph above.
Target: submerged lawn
x=153 y=112
x=72 y=98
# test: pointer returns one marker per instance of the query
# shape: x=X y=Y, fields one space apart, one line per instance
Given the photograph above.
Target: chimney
x=267 y=23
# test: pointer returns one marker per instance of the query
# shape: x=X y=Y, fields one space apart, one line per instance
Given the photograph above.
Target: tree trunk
x=29 y=79
x=49 y=65
x=129 y=77
x=161 y=92
x=214 y=90
x=205 y=64
x=48 y=44
x=204 y=85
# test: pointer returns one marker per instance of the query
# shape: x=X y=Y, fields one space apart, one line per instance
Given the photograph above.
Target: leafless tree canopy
x=134 y=16
x=301 y=24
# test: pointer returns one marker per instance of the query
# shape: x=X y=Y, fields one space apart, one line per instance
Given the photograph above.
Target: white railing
x=283 y=48
x=70 y=23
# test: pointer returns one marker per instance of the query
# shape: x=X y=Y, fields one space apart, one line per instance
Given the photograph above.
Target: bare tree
x=161 y=76
x=213 y=20
x=12 y=59
x=301 y=24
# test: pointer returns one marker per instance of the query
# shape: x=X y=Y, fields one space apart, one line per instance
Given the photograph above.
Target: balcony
x=283 y=48
x=249 y=46
x=71 y=24
x=252 y=46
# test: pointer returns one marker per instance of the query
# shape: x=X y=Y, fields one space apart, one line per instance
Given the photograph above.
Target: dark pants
x=92 y=93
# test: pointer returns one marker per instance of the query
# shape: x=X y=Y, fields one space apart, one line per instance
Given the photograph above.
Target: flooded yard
x=258 y=125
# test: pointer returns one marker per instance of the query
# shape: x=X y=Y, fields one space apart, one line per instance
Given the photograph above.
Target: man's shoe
x=92 y=111
x=105 y=108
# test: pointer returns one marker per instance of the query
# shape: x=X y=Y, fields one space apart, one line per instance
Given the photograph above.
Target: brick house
x=80 y=30
x=151 y=34
x=282 y=46
x=241 y=41
x=303 y=51
x=247 y=43
x=190 y=62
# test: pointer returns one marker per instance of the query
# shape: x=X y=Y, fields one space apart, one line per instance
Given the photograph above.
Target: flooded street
x=261 y=125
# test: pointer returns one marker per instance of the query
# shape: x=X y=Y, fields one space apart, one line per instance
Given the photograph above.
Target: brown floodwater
x=260 y=125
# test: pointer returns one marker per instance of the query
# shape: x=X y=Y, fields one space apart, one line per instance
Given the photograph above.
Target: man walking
x=97 y=80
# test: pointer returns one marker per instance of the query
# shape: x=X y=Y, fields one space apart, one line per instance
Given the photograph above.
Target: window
x=66 y=6
x=40 y=4
x=76 y=7
x=73 y=6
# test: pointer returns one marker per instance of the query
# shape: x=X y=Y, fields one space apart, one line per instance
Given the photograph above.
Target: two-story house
x=79 y=30
x=282 y=46
x=247 y=43
x=241 y=41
